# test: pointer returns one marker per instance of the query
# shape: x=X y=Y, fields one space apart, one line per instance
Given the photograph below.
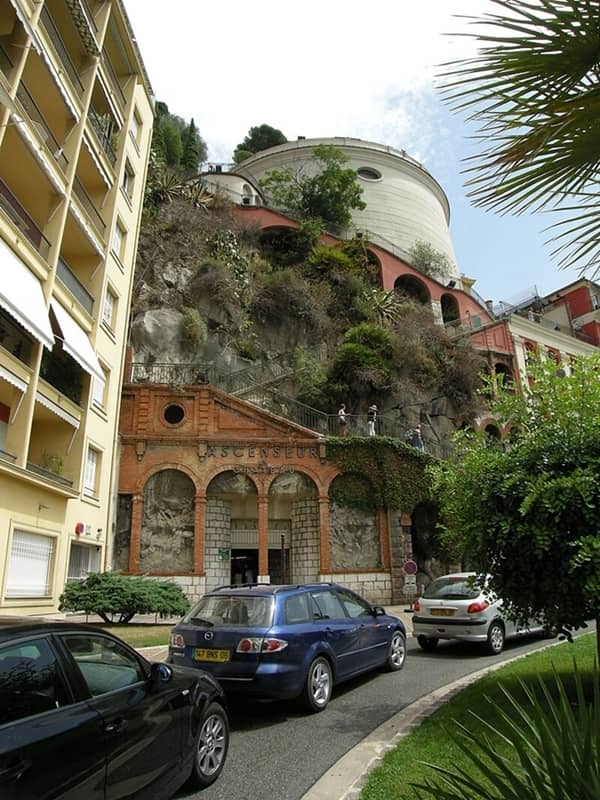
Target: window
x=30 y=681
x=369 y=174
x=128 y=181
x=99 y=390
x=105 y=664
x=30 y=565
x=355 y=606
x=134 y=128
x=4 y=417
x=118 y=241
x=296 y=609
x=83 y=559
x=109 y=309
x=91 y=473
x=327 y=606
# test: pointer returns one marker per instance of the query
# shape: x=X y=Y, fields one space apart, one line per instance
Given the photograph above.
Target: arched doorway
x=293 y=529
x=231 y=530
x=414 y=288
x=450 y=309
x=167 y=535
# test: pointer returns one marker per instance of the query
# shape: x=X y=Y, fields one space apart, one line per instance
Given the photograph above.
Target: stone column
x=384 y=537
x=263 y=538
x=137 y=513
x=325 y=559
x=199 y=523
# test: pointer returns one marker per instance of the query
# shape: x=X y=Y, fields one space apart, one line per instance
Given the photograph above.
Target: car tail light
x=258 y=644
x=416 y=606
x=177 y=640
x=475 y=608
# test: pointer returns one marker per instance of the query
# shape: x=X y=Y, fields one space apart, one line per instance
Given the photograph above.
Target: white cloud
x=328 y=68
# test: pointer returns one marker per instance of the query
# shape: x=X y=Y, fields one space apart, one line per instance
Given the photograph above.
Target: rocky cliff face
x=210 y=292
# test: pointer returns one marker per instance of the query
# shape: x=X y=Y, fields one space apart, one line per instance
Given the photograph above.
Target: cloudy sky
x=353 y=68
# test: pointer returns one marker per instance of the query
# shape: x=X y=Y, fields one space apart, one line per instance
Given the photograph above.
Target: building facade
x=75 y=135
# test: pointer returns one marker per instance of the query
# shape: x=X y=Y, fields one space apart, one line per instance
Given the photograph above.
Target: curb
x=347 y=777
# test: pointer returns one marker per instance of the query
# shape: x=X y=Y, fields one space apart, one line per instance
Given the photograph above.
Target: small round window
x=173 y=414
x=369 y=174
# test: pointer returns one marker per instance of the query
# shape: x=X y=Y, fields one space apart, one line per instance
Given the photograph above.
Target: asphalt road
x=277 y=751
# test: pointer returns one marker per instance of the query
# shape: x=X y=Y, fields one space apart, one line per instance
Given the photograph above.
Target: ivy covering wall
x=394 y=470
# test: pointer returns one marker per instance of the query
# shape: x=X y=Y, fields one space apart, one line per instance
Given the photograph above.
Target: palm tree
x=533 y=90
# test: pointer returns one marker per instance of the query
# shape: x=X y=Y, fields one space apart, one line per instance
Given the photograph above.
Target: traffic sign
x=410 y=567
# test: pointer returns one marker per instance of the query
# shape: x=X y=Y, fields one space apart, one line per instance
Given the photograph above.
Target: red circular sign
x=410 y=567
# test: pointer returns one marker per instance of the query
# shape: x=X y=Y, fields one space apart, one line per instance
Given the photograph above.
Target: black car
x=83 y=716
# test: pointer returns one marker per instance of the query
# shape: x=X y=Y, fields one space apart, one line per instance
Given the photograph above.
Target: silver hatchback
x=455 y=607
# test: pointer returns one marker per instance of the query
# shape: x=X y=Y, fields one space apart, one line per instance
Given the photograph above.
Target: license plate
x=442 y=612
x=201 y=654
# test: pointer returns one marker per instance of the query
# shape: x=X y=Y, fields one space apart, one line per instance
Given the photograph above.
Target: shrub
x=117 y=598
x=193 y=329
x=545 y=748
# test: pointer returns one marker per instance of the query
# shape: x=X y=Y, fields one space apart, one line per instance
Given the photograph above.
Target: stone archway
x=293 y=529
x=167 y=534
x=413 y=288
x=354 y=536
x=231 y=529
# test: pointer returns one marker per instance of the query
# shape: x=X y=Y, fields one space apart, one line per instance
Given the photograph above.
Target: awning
x=56 y=409
x=13 y=379
x=76 y=342
x=21 y=295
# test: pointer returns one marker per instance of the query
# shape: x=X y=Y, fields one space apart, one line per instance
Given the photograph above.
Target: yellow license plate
x=201 y=654
x=442 y=612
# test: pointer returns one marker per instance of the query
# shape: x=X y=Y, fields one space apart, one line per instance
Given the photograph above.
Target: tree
x=259 y=138
x=428 y=260
x=194 y=149
x=117 y=598
x=528 y=513
x=327 y=190
x=533 y=90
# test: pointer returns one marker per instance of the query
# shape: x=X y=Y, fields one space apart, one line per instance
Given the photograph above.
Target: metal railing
x=103 y=127
x=39 y=122
x=74 y=285
x=61 y=50
x=14 y=340
x=6 y=63
x=5 y=456
x=47 y=473
x=13 y=208
x=113 y=79
x=88 y=204
x=170 y=374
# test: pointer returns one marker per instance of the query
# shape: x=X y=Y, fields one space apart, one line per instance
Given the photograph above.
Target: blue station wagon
x=287 y=641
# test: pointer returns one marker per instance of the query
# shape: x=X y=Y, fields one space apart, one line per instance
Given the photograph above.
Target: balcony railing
x=103 y=127
x=74 y=285
x=14 y=340
x=61 y=50
x=39 y=122
x=88 y=204
x=6 y=63
x=47 y=473
x=4 y=456
x=170 y=374
x=114 y=81
x=20 y=218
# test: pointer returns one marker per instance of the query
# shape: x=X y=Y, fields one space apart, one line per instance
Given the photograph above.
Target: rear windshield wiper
x=201 y=621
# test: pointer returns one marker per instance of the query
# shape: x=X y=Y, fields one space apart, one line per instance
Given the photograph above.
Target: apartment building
x=75 y=128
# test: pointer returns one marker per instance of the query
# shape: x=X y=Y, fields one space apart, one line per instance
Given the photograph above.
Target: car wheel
x=396 y=652
x=318 y=685
x=495 y=638
x=427 y=642
x=212 y=743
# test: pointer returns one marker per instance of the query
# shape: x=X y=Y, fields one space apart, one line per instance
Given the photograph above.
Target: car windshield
x=231 y=609
x=452 y=588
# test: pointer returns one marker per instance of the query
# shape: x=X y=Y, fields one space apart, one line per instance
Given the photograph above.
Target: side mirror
x=160 y=673
x=379 y=611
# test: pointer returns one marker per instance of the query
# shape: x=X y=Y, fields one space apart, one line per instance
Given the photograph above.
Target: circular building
x=405 y=204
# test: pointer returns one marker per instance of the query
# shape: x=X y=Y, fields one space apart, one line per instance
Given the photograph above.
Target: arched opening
x=284 y=246
x=450 y=308
x=493 y=431
x=167 y=535
x=247 y=195
x=374 y=269
x=231 y=529
x=503 y=375
x=354 y=539
x=412 y=287
x=293 y=529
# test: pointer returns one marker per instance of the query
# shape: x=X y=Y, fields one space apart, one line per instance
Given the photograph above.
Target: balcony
x=114 y=82
x=87 y=202
x=48 y=474
x=63 y=373
x=21 y=219
x=61 y=51
x=41 y=125
x=14 y=339
x=68 y=278
x=103 y=126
